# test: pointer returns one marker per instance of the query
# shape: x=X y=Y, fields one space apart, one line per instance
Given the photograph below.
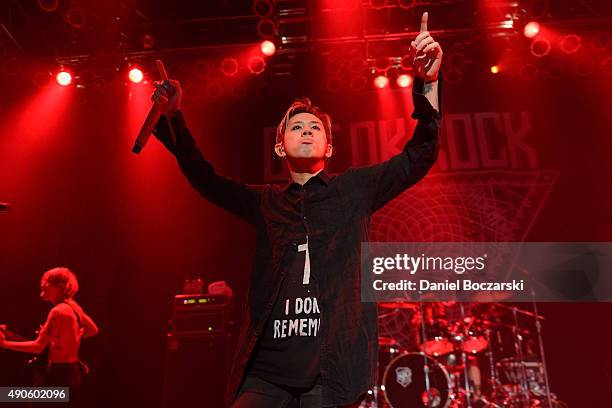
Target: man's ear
x=280 y=151
x=329 y=151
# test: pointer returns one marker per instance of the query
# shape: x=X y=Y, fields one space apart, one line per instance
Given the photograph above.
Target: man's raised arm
x=222 y=191
x=387 y=180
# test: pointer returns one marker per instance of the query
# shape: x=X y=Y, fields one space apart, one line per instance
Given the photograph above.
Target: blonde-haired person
x=62 y=332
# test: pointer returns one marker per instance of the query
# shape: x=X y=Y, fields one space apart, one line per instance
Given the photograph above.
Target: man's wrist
x=173 y=113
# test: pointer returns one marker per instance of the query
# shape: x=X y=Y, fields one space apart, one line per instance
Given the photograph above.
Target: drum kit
x=464 y=355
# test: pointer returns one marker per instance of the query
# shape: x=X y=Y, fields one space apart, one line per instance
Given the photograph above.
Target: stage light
x=358 y=83
x=147 y=41
x=382 y=63
x=494 y=69
x=570 y=44
x=48 y=5
x=454 y=76
x=531 y=29
x=64 y=78
x=540 y=47
x=268 y=48
x=378 y=4
x=41 y=79
x=214 y=89
x=256 y=65
x=404 y=81
x=406 y=4
x=75 y=18
x=263 y=8
x=381 y=81
x=229 y=67
x=11 y=66
x=600 y=41
x=202 y=69
x=456 y=60
x=266 y=28
x=135 y=75
x=87 y=78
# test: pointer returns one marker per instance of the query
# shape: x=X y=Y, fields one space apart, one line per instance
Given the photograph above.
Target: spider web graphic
x=478 y=206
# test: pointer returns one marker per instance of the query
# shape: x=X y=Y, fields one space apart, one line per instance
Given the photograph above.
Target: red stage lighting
x=75 y=18
x=378 y=4
x=381 y=81
x=268 y=48
x=229 y=66
x=147 y=41
x=358 y=82
x=383 y=63
x=135 y=75
x=404 y=81
x=48 y=5
x=64 y=78
x=266 y=28
x=531 y=29
x=540 y=47
x=263 y=8
x=570 y=44
x=494 y=69
x=256 y=65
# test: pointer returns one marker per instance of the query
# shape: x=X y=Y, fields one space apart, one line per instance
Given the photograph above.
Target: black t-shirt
x=288 y=350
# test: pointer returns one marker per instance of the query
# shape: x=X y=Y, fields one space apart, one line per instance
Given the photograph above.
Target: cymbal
x=387 y=341
x=398 y=305
x=491 y=296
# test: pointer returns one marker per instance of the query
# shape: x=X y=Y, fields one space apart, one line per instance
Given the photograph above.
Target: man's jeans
x=258 y=393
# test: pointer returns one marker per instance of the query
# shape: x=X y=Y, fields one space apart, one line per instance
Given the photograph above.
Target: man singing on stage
x=307 y=340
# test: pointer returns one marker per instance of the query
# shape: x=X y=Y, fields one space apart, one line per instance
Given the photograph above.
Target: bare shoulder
x=61 y=311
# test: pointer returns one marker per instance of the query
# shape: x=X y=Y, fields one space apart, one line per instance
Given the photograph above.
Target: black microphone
x=4 y=207
x=154 y=113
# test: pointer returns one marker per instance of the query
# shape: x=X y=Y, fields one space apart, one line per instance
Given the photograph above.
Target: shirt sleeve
x=227 y=193
x=387 y=180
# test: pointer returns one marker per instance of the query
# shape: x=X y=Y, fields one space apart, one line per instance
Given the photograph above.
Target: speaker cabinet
x=196 y=370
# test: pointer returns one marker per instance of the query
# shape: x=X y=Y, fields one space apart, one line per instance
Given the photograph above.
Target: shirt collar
x=321 y=177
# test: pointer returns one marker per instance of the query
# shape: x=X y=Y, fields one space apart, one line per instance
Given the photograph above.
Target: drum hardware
x=518 y=347
x=538 y=325
x=441 y=374
x=398 y=305
x=425 y=362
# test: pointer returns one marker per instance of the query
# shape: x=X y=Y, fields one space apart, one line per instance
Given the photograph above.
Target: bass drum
x=404 y=382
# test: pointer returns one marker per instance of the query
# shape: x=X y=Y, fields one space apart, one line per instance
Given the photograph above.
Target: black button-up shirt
x=335 y=212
